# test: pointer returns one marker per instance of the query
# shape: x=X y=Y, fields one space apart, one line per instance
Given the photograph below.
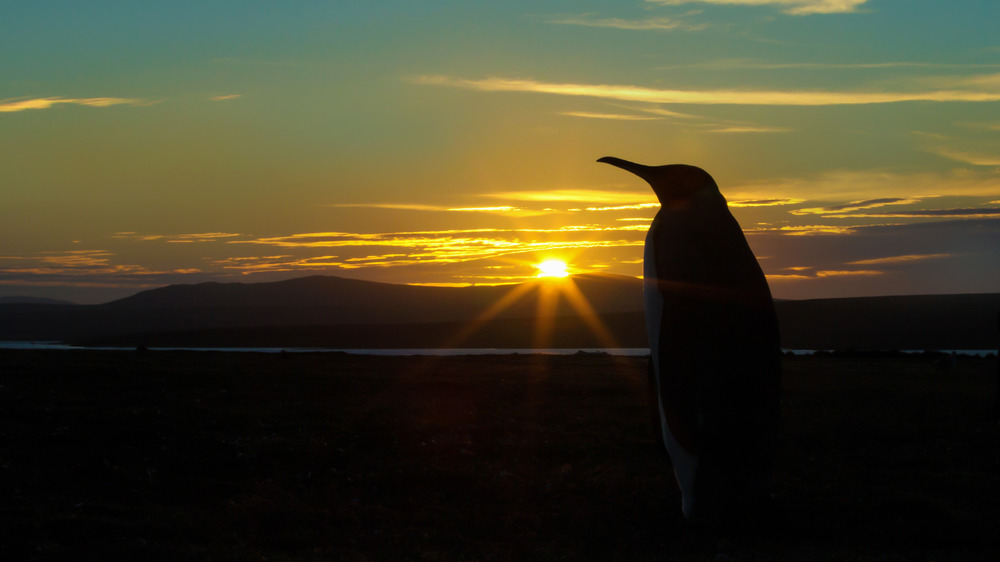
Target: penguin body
x=715 y=357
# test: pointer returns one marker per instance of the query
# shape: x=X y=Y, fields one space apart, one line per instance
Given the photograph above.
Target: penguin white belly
x=685 y=463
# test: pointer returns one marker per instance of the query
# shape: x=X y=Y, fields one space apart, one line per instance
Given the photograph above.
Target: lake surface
x=623 y=351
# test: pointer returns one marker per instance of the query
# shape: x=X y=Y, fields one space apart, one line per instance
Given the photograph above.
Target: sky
x=454 y=143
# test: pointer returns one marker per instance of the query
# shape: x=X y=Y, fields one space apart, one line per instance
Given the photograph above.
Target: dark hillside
x=342 y=313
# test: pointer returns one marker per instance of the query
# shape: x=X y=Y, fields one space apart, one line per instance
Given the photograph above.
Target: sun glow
x=552 y=268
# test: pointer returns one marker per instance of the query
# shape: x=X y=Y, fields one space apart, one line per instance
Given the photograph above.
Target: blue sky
x=858 y=142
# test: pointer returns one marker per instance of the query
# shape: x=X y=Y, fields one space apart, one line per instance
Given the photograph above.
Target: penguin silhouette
x=715 y=356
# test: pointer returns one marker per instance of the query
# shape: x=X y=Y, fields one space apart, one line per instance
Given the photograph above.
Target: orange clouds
x=45 y=103
x=985 y=91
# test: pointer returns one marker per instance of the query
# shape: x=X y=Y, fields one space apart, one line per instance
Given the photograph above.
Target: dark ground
x=240 y=456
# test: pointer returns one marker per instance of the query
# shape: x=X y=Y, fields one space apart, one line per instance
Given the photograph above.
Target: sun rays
x=553 y=286
x=552 y=268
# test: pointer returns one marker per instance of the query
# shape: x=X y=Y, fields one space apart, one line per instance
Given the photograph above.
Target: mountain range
x=584 y=311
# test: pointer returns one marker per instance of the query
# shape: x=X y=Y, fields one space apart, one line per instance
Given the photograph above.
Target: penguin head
x=674 y=184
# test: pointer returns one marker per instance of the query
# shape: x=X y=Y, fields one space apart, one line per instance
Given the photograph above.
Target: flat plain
x=326 y=456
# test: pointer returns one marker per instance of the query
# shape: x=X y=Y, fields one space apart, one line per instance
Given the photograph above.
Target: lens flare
x=552 y=268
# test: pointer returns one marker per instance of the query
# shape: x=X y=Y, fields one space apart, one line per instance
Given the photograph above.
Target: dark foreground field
x=201 y=455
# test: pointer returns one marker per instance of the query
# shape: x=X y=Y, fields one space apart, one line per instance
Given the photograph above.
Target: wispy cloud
x=397 y=249
x=810 y=230
x=690 y=120
x=226 y=97
x=968 y=157
x=728 y=64
x=11 y=105
x=764 y=202
x=613 y=116
x=76 y=265
x=176 y=238
x=630 y=207
x=973 y=213
x=794 y=7
x=737 y=129
x=491 y=237
x=647 y=24
x=848 y=273
x=495 y=209
x=838 y=185
x=981 y=91
x=574 y=195
x=899 y=259
x=854 y=206
x=660 y=112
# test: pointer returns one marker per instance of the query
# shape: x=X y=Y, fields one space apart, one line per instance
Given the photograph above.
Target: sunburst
x=552 y=268
x=554 y=284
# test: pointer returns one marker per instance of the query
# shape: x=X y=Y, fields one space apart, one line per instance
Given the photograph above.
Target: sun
x=552 y=268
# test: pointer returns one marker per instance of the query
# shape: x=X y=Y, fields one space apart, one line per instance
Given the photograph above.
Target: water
x=623 y=351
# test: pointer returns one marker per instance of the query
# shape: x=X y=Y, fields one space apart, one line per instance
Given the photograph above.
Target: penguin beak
x=641 y=170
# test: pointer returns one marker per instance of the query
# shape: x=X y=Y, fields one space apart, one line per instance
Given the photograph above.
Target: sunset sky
x=445 y=142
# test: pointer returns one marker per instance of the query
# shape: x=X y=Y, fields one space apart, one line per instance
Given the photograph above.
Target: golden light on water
x=552 y=268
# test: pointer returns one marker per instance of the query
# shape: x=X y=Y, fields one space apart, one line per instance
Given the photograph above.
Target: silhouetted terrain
x=327 y=456
x=32 y=300
x=347 y=313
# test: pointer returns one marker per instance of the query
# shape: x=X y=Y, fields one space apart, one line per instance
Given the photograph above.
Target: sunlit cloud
x=858 y=184
x=485 y=237
x=772 y=277
x=648 y=24
x=573 y=195
x=737 y=129
x=499 y=209
x=446 y=284
x=967 y=157
x=973 y=213
x=226 y=97
x=201 y=237
x=854 y=206
x=176 y=238
x=610 y=116
x=899 y=259
x=801 y=274
x=658 y=111
x=67 y=259
x=46 y=266
x=7 y=106
x=495 y=209
x=793 y=7
x=976 y=91
x=625 y=207
x=764 y=202
x=399 y=249
x=728 y=64
x=595 y=228
x=811 y=230
x=393 y=206
x=136 y=236
x=420 y=252
x=847 y=273
x=691 y=120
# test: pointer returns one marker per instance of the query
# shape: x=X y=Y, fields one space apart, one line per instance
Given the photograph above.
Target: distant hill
x=310 y=301
x=348 y=313
x=32 y=300
x=965 y=321
x=335 y=300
